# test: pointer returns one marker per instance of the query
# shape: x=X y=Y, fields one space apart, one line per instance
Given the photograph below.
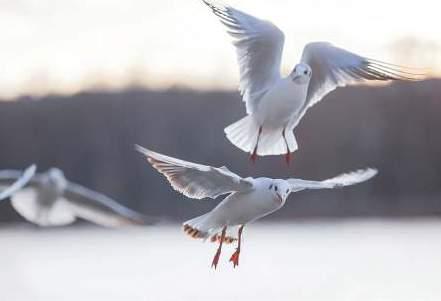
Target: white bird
x=248 y=199
x=276 y=104
x=49 y=199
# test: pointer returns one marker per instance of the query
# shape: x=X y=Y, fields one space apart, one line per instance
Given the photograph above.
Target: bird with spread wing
x=248 y=198
x=49 y=199
x=276 y=104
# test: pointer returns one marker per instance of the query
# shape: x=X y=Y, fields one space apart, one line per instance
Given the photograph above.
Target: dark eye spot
x=287 y=190
x=305 y=72
x=271 y=186
x=275 y=188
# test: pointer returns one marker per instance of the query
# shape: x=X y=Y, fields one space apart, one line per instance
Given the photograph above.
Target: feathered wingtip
x=141 y=150
x=147 y=153
x=30 y=171
x=215 y=5
x=353 y=177
x=220 y=9
x=21 y=182
x=386 y=71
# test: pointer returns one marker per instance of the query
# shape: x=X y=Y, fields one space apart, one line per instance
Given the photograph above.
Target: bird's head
x=301 y=73
x=55 y=178
x=281 y=189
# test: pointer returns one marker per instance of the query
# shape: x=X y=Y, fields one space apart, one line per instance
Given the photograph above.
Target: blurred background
x=83 y=81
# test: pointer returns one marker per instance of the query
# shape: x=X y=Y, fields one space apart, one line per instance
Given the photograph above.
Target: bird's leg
x=288 y=153
x=218 y=252
x=254 y=153
x=235 y=257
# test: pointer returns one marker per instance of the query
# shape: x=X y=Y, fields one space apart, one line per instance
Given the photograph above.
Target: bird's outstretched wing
x=100 y=209
x=15 y=180
x=342 y=180
x=28 y=204
x=195 y=180
x=334 y=67
x=259 y=47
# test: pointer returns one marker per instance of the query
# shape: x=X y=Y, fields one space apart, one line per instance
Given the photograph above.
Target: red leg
x=288 y=153
x=254 y=154
x=235 y=257
x=218 y=252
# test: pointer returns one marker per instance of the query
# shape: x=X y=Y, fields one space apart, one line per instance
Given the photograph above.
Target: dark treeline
x=91 y=136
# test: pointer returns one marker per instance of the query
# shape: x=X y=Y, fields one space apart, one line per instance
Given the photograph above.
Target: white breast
x=281 y=103
x=242 y=208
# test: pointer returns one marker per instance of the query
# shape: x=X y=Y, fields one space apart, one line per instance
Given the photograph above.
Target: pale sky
x=67 y=46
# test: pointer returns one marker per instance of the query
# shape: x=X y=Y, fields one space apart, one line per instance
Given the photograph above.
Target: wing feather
x=100 y=209
x=195 y=180
x=342 y=180
x=18 y=179
x=259 y=47
x=334 y=67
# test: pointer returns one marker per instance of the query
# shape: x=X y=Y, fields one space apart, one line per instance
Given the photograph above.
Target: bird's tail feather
x=198 y=228
x=244 y=134
x=272 y=142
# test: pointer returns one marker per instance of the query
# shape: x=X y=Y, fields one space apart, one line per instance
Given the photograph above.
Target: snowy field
x=375 y=260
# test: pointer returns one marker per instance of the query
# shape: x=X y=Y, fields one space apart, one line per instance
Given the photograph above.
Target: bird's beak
x=280 y=197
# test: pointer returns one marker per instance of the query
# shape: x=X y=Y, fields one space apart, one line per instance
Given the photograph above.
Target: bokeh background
x=91 y=137
x=82 y=82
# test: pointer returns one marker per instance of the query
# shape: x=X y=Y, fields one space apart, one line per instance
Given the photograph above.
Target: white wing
x=334 y=67
x=19 y=183
x=100 y=209
x=27 y=203
x=195 y=180
x=259 y=47
x=346 y=179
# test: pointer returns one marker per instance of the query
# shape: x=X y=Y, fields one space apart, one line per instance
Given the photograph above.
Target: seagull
x=49 y=199
x=247 y=200
x=276 y=104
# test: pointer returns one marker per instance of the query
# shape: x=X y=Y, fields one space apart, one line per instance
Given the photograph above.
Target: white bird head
x=301 y=73
x=55 y=178
x=281 y=189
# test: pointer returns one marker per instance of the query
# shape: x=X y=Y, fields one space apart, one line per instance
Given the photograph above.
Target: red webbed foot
x=235 y=258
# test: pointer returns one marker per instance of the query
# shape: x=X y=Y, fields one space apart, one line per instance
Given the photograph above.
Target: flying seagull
x=276 y=104
x=49 y=199
x=248 y=199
